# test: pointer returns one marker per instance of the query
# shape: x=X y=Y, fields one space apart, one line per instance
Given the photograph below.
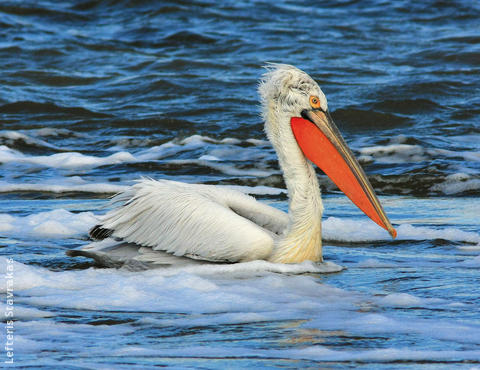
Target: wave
x=457 y=183
x=404 y=106
x=23 y=142
x=56 y=132
x=225 y=150
x=40 y=11
x=55 y=187
x=359 y=119
x=400 y=150
x=32 y=107
x=49 y=78
x=76 y=184
x=393 y=153
x=322 y=354
x=247 y=159
x=67 y=160
x=187 y=37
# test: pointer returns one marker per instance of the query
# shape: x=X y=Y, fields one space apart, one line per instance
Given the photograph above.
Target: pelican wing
x=206 y=222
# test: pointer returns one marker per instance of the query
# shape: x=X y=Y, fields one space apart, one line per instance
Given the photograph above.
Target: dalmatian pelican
x=162 y=219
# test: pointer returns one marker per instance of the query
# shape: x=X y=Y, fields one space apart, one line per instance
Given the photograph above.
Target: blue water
x=96 y=94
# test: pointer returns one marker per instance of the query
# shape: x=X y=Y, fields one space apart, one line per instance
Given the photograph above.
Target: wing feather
x=200 y=221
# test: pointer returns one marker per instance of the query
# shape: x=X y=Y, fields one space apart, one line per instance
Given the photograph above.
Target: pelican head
x=299 y=125
x=285 y=89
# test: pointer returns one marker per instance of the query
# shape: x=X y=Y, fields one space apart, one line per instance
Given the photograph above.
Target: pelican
x=162 y=219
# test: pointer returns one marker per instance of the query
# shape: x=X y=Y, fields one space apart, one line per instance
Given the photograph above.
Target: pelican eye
x=314 y=102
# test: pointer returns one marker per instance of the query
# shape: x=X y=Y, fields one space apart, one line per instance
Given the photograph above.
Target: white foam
x=40 y=336
x=470 y=248
x=401 y=300
x=198 y=140
x=239 y=154
x=457 y=183
x=67 y=160
x=50 y=131
x=11 y=136
x=393 y=153
x=225 y=168
x=230 y=140
x=383 y=323
x=24 y=276
x=246 y=269
x=383 y=355
x=213 y=288
x=210 y=296
x=6 y=222
x=316 y=352
x=467 y=156
x=399 y=152
x=219 y=151
x=24 y=313
x=53 y=186
x=78 y=184
x=348 y=230
x=208 y=158
x=171 y=148
x=258 y=142
x=58 y=223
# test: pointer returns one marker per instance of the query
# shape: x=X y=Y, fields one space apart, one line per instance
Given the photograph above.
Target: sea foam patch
x=215 y=152
x=24 y=313
x=78 y=184
x=67 y=160
x=64 y=185
x=393 y=153
x=398 y=151
x=224 y=168
x=214 y=289
x=58 y=223
x=316 y=352
x=312 y=311
x=348 y=230
x=457 y=183
x=379 y=323
x=10 y=138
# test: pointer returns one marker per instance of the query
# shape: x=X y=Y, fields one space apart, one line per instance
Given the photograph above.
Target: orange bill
x=322 y=143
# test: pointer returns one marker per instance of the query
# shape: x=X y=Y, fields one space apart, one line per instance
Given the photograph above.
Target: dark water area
x=394 y=73
x=96 y=94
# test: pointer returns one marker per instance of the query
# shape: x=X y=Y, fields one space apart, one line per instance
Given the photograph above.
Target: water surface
x=96 y=94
